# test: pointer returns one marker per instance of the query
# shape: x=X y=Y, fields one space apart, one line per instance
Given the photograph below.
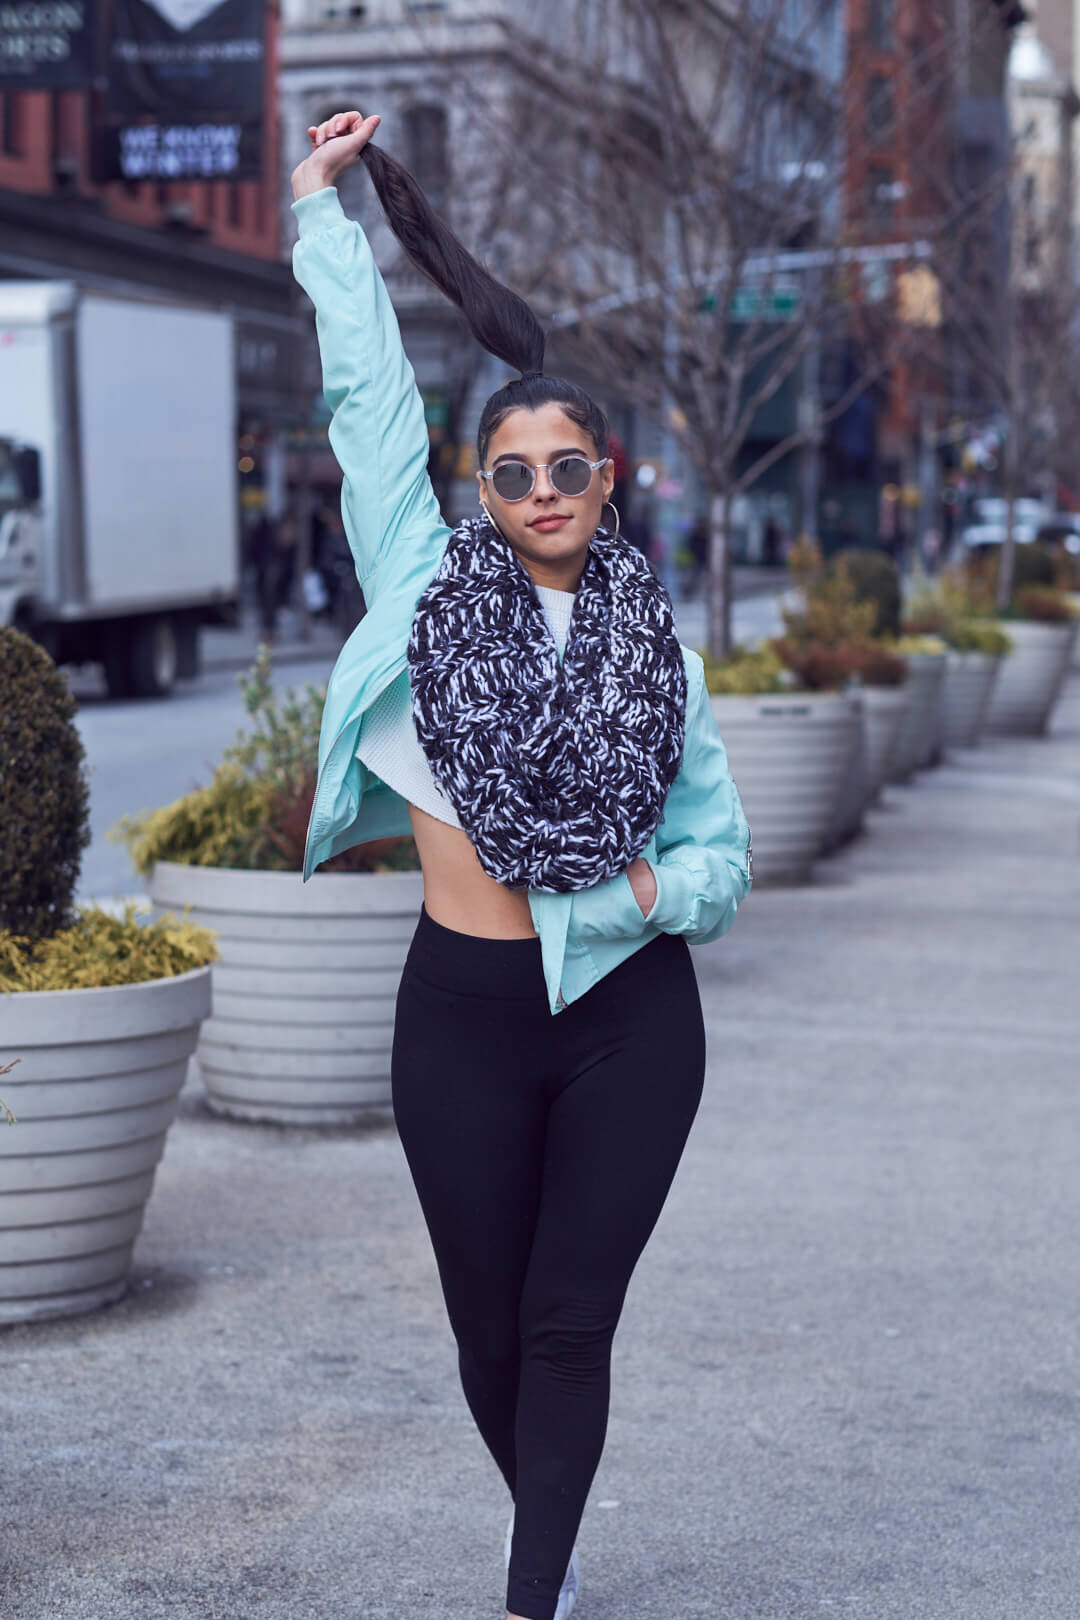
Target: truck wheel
x=154 y=658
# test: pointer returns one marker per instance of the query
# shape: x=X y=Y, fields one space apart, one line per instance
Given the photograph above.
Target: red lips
x=548 y=525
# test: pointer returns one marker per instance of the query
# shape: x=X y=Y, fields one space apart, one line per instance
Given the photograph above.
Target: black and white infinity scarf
x=558 y=771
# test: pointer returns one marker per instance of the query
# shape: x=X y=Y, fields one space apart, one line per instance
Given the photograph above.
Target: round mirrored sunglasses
x=570 y=475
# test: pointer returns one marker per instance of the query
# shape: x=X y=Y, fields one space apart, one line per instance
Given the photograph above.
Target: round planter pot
x=884 y=712
x=920 y=734
x=304 y=992
x=788 y=753
x=969 y=681
x=1031 y=678
x=851 y=795
x=94 y=1093
x=1074 y=599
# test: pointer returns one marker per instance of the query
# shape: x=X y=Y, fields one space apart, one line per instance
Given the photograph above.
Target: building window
x=234 y=214
x=425 y=129
x=882 y=189
x=880 y=109
x=881 y=24
x=10 y=126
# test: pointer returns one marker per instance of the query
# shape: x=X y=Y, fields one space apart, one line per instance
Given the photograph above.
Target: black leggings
x=542 y=1148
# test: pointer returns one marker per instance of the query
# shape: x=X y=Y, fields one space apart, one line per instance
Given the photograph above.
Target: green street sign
x=749 y=304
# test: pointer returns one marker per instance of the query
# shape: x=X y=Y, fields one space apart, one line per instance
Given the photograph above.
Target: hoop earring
x=615 y=509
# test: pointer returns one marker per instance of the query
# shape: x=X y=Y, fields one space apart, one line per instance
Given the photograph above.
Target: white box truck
x=118 y=487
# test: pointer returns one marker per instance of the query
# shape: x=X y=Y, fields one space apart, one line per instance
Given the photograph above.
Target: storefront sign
x=47 y=44
x=185 y=96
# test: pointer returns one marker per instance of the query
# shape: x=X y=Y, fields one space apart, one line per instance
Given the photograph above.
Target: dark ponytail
x=500 y=321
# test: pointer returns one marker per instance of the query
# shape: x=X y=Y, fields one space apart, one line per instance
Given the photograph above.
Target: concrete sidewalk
x=847 y=1380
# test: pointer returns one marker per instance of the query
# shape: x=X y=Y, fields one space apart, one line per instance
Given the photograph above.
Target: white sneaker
x=571 y=1586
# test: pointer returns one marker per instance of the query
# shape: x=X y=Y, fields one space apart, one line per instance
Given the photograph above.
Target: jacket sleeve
x=378 y=432
x=700 y=854
x=703 y=862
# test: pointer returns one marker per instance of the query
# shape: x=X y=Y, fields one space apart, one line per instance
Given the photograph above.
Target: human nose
x=543 y=488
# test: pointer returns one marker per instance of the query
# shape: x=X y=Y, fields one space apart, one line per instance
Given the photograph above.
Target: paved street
x=847 y=1380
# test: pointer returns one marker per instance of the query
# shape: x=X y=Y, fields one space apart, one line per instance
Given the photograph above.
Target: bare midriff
x=458 y=893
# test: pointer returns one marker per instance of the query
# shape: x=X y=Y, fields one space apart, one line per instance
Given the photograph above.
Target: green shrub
x=817 y=667
x=253 y=814
x=979 y=636
x=99 y=949
x=1032 y=565
x=874 y=578
x=747 y=673
x=44 y=798
x=876 y=665
x=961 y=617
x=916 y=643
x=1043 y=603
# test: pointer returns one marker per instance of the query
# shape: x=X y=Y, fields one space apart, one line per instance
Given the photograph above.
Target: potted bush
x=919 y=741
x=886 y=696
x=788 y=747
x=975 y=647
x=99 y=1016
x=307 y=975
x=1041 y=626
x=791 y=718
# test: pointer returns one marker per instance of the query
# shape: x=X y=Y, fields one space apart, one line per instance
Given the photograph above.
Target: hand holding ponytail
x=499 y=320
x=336 y=145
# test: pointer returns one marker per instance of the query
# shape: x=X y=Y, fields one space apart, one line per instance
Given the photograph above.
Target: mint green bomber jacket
x=700 y=853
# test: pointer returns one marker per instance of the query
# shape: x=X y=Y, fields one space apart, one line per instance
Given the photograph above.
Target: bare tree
x=696 y=154
x=1011 y=307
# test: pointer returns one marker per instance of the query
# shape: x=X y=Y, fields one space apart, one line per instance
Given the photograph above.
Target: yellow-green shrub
x=747 y=673
x=100 y=950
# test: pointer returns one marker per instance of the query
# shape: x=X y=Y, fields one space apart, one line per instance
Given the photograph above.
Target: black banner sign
x=47 y=44
x=185 y=96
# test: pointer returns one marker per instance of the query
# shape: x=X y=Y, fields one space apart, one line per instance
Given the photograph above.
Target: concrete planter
x=94 y=1093
x=1031 y=678
x=304 y=992
x=969 y=682
x=851 y=795
x=919 y=740
x=884 y=711
x=881 y=713
x=789 y=753
x=1074 y=600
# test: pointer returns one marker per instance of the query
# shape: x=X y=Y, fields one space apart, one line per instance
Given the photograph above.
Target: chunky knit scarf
x=558 y=772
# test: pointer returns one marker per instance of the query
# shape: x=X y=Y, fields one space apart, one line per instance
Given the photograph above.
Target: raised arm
x=378 y=432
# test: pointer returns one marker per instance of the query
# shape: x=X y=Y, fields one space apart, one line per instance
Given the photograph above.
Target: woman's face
x=549 y=532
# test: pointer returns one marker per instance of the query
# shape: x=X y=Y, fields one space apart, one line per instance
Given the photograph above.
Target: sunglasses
x=570 y=475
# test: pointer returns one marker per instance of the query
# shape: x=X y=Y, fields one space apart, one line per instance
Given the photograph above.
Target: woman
x=516 y=694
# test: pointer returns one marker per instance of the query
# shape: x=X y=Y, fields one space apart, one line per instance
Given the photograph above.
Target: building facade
x=449 y=80
x=929 y=142
x=216 y=243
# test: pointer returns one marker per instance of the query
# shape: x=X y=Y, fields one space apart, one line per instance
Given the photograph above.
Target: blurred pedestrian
x=287 y=547
x=772 y=553
x=263 y=552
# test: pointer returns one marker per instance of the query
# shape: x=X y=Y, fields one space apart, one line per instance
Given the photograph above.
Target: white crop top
x=388 y=744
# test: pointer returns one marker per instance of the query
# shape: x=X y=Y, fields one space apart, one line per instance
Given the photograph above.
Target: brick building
x=927 y=122
x=216 y=242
